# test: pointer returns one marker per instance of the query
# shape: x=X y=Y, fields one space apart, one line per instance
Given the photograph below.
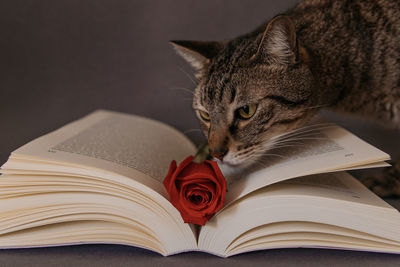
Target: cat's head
x=251 y=89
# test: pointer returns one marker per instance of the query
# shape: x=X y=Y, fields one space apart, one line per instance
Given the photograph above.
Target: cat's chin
x=236 y=164
x=232 y=161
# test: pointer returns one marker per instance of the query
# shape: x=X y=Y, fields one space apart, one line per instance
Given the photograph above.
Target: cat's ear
x=278 y=43
x=197 y=53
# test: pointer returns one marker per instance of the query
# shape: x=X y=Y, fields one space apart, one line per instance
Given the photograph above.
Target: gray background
x=59 y=60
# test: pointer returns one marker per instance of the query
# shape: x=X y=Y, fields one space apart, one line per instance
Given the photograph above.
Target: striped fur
x=322 y=53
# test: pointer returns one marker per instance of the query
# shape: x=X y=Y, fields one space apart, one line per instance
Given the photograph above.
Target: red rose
x=197 y=190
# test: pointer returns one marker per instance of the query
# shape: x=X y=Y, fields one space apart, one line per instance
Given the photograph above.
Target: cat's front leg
x=386 y=183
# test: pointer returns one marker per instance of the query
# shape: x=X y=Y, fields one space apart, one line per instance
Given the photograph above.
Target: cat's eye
x=204 y=115
x=246 y=112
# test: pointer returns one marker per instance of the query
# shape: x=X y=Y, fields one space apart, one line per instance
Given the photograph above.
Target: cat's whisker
x=273 y=144
x=309 y=138
x=314 y=125
x=298 y=137
x=315 y=130
x=188 y=75
x=319 y=106
x=289 y=145
x=283 y=142
x=293 y=133
x=266 y=162
x=183 y=89
x=309 y=134
x=261 y=153
x=293 y=138
x=260 y=164
x=311 y=127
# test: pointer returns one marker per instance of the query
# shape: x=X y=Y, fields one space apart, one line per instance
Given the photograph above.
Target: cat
x=342 y=55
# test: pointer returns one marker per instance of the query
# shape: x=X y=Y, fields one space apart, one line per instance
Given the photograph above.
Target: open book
x=99 y=180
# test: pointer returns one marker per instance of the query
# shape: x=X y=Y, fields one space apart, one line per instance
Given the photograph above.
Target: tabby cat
x=322 y=53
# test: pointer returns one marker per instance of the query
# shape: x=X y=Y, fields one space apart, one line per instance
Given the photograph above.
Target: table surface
x=63 y=59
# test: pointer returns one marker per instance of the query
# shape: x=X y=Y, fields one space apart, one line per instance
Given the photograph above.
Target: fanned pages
x=99 y=180
x=325 y=210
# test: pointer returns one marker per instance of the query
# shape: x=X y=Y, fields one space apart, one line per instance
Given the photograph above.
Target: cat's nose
x=219 y=152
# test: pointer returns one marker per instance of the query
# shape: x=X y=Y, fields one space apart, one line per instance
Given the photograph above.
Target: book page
x=335 y=199
x=113 y=142
x=338 y=185
x=325 y=150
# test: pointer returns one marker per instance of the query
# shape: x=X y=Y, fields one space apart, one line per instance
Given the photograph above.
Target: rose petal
x=196 y=190
x=188 y=204
x=202 y=183
x=198 y=175
x=198 y=199
x=219 y=177
x=197 y=168
x=203 y=210
x=199 y=220
x=184 y=164
x=206 y=188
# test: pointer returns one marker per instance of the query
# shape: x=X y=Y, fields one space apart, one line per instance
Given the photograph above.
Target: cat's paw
x=386 y=183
